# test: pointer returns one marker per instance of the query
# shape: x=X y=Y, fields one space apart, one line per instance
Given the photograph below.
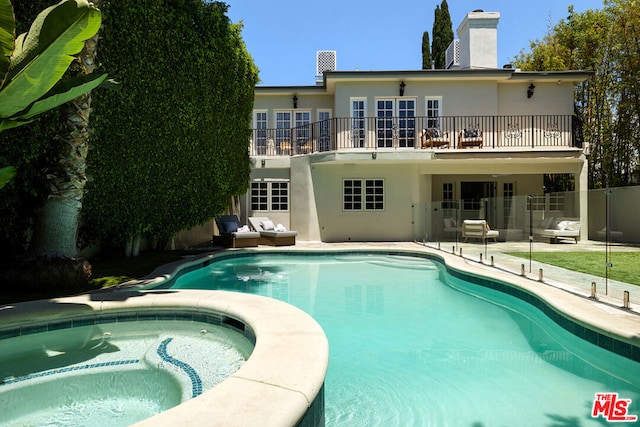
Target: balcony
x=405 y=133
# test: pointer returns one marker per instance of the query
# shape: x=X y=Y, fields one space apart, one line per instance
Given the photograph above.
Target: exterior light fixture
x=374 y=155
x=263 y=162
x=295 y=101
x=402 y=86
x=530 y=90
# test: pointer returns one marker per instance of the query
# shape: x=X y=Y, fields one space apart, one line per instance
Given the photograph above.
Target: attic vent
x=326 y=61
x=452 y=55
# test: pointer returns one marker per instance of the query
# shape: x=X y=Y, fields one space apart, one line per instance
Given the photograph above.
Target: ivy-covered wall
x=170 y=148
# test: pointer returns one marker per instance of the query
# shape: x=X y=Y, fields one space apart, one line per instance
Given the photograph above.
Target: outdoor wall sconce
x=374 y=155
x=530 y=90
x=402 y=86
x=295 y=101
x=263 y=162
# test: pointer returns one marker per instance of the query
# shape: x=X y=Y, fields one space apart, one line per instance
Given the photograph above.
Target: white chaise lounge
x=558 y=228
x=478 y=229
x=271 y=234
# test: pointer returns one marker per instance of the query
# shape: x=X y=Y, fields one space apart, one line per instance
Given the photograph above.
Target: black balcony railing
x=443 y=132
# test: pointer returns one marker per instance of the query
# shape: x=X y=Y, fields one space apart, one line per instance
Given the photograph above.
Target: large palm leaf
x=7 y=36
x=41 y=57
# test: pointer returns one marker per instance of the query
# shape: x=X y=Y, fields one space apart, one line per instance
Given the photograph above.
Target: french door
x=395 y=122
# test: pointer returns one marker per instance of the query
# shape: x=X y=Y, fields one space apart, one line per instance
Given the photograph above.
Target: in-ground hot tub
x=116 y=369
x=176 y=357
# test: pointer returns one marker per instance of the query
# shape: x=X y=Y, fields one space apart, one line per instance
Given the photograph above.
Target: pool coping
x=276 y=386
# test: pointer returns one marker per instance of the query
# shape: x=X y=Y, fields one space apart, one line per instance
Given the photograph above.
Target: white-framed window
x=556 y=202
x=536 y=202
x=259 y=196
x=352 y=194
x=374 y=194
x=433 y=111
x=261 y=125
x=363 y=194
x=448 y=201
x=280 y=196
x=270 y=196
x=358 y=121
x=508 y=191
x=324 y=130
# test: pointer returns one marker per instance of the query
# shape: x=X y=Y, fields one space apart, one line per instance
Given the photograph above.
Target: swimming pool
x=415 y=344
x=113 y=370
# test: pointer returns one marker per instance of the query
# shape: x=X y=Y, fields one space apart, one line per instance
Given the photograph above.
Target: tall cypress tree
x=426 y=51
x=442 y=34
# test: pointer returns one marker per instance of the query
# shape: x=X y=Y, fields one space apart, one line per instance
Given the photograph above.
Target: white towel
x=280 y=227
x=243 y=229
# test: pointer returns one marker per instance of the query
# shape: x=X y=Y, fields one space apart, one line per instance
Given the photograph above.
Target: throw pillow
x=229 y=226
x=471 y=133
x=267 y=225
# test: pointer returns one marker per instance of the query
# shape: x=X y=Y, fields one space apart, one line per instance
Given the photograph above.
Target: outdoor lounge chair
x=558 y=228
x=478 y=229
x=471 y=137
x=268 y=233
x=432 y=137
x=232 y=234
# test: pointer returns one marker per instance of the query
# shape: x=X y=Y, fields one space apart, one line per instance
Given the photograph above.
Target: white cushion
x=562 y=225
x=573 y=226
x=267 y=225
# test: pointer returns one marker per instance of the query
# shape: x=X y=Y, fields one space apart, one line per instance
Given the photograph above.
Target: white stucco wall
x=394 y=223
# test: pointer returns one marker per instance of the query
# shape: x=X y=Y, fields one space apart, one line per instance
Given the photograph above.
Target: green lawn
x=625 y=264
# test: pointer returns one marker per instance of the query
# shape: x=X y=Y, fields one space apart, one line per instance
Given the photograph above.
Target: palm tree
x=56 y=229
x=31 y=82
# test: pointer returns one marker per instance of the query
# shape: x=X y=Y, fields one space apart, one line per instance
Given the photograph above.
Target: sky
x=283 y=36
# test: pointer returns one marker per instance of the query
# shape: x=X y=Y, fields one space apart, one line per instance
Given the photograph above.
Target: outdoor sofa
x=558 y=228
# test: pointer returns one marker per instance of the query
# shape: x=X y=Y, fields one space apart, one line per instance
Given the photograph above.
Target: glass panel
x=283 y=132
x=406 y=123
x=384 y=123
x=358 y=123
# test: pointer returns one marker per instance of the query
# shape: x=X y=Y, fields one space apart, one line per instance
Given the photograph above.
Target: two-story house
x=387 y=155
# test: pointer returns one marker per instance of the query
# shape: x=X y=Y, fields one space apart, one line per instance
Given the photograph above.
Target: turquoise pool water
x=112 y=374
x=411 y=345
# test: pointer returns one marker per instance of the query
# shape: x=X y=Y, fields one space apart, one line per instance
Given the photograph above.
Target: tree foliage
x=606 y=42
x=442 y=34
x=171 y=146
x=426 y=51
